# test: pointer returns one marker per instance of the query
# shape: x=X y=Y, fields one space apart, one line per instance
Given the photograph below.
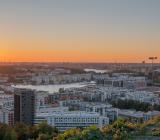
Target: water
x=95 y=70
x=52 y=88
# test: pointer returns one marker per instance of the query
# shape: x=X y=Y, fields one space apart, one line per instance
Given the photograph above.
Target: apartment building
x=24 y=105
x=72 y=119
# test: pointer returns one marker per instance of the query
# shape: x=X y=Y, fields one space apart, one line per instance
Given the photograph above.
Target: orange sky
x=78 y=50
x=79 y=31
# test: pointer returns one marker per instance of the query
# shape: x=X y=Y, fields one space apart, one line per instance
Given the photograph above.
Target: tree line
x=132 y=104
x=120 y=130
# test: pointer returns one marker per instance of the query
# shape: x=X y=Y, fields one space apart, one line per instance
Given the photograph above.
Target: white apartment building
x=137 y=116
x=151 y=114
x=131 y=115
x=102 y=109
x=62 y=78
x=6 y=109
x=72 y=119
x=69 y=102
x=41 y=99
x=142 y=96
x=6 y=101
x=1 y=116
x=135 y=82
x=7 y=116
x=100 y=76
x=52 y=110
x=128 y=82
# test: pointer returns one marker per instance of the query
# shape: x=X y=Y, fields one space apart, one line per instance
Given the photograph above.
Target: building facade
x=72 y=119
x=24 y=106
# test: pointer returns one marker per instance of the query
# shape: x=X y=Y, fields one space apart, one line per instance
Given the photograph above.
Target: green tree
x=92 y=133
x=89 y=133
x=33 y=132
x=10 y=135
x=44 y=128
x=43 y=137
x=131 y=104
x=72 y=134
x=22 y=131
x=119 y=130
x=3 y=129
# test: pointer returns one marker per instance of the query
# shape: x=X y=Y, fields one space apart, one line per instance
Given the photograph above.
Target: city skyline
x=79 y=31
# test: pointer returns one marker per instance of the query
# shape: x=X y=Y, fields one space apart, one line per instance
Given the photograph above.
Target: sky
x=79 y=30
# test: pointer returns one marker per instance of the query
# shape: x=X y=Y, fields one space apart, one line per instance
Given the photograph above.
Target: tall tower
x=24 y=106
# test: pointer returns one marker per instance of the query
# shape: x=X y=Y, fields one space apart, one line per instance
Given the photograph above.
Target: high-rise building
x=24 y=106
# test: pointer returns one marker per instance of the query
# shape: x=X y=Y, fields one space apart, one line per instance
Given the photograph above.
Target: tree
x=7 y=133
x=33 y=132
x=22 y=131
x=132 y=104
x=92 y=133
x=119 y=130
x=43 y=137
x=89 y=133
x=72 y=134
x=44 y=128
x=3 y=130
x=10 y=135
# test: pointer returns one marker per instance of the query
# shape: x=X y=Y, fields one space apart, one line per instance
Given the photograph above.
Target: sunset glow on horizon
x=79 y=31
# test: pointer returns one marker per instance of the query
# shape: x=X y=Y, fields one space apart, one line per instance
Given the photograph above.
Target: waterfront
x=53 y=88
x=95 y=70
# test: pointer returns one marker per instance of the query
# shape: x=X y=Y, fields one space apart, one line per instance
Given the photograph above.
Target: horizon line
x=78 y=62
